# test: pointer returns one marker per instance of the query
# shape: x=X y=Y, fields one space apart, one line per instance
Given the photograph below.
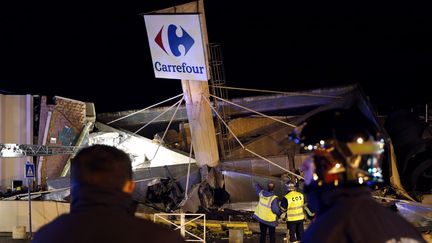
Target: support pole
x=201 y=123
x=182 y=225
x=29 y=182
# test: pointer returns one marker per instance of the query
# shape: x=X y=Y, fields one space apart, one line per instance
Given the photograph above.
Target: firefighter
x=345 y=150
x=267 y=211
x=293 y=204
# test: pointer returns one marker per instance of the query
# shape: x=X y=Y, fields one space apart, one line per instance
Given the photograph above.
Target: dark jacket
x=275 y=206
x=352 y=215
x=103 y=216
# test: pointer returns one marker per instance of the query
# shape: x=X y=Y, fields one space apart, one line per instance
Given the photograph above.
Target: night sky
x=76 y=49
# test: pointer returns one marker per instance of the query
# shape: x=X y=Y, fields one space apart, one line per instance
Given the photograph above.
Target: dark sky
x=78 y=49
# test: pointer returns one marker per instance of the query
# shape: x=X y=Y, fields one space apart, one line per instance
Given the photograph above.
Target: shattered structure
x=264 y=136
x=253 y=147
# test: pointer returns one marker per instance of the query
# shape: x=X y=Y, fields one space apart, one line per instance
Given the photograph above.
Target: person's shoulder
x=57 y=222
x=52 y=229
x=266 y=193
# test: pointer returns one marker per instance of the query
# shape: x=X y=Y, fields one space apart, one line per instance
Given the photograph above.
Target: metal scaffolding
x=218 y=80
x=12 y=150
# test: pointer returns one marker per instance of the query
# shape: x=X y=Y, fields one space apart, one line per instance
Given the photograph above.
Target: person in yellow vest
x=293 y=204
x=267 y=211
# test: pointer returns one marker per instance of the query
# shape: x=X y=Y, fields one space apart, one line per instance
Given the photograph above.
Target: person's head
x=345 y=147
x=104 y=167
x=270 y=186
x=290 y=186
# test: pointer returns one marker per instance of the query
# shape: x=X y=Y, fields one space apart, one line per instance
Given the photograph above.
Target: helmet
x=345 y=146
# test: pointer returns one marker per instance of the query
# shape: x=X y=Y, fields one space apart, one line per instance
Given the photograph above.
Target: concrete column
x=201 y=123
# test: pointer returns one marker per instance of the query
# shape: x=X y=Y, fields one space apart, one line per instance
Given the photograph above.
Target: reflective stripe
x=296 y=207
x=295 y=214
x=268 y=205
x=265 y=205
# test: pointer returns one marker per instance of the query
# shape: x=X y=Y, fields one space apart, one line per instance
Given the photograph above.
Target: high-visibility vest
x=295 y=206
x=263 y=209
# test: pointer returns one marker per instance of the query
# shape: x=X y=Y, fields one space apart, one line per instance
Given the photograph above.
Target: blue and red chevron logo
x=174 y=41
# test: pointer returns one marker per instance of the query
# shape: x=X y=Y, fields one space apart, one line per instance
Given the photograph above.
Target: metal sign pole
x=29 y=206
x=30 y=174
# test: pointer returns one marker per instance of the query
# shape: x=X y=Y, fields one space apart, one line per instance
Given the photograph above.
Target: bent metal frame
x=165 y=217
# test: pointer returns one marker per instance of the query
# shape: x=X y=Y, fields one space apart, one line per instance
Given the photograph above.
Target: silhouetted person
x=102 y=209
x=267 y=212
x=345 y=158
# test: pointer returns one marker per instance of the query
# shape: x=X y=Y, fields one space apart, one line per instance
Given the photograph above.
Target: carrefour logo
x=174 y=41
x=176 y=46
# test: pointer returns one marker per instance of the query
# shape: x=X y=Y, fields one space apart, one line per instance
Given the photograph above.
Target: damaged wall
x=65 y=123
x=256 y=133
x=261 y=135
x=242 y=126
x=259 y=166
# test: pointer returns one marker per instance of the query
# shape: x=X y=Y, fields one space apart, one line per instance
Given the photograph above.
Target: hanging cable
x=161 y=114
x=136 y=112
x=145 y=125
x=277 y=92
x=178 y=103
x=241 y=144
x=256 y=112
x=168 y=126
x=188 y=173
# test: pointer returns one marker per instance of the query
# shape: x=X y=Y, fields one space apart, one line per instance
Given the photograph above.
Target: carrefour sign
x=176 y=46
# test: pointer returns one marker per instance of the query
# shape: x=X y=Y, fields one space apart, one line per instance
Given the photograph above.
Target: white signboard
x=176 y=46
